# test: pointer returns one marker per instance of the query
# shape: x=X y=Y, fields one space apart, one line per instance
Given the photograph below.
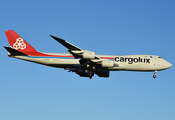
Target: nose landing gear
x=154 y=76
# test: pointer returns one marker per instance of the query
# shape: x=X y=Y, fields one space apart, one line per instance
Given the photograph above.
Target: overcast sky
x=30 y=91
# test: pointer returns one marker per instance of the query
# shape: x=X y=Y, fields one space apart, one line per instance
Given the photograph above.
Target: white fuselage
x=126 y=63
x=85 y=63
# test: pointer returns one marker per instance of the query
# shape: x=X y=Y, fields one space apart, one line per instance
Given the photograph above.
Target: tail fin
x=18 y=42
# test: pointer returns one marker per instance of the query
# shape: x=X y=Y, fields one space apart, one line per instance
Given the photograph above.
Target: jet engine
x=83 y=54
x=107 y=63
x=88 y=55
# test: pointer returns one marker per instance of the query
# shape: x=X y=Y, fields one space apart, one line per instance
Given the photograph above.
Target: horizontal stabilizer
x=14 y=52
x=66 y=44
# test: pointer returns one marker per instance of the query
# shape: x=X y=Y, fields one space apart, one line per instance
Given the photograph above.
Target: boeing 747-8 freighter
x=85 y=63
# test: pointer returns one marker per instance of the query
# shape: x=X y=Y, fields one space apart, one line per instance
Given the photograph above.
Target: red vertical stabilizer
x=18 y=43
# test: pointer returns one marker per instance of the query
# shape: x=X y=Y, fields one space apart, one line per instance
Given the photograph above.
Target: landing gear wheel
x=91 y=74
x=86 y=71
x=154 y=76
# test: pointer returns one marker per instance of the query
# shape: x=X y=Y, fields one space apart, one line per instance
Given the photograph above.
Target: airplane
x=85 y=63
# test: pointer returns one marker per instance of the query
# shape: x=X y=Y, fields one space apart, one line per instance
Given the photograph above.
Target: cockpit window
x=159 y=57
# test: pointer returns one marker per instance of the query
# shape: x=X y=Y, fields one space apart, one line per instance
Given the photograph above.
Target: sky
x=115 y=27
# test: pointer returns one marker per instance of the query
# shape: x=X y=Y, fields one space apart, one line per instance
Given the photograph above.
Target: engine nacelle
x=88 y=55
x=107 y=63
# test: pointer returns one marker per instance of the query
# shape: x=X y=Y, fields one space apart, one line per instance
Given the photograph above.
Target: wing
x=76 y=51
x=90 y=62
x=66 y=44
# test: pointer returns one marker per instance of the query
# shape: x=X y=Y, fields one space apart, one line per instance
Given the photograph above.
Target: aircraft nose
x=168 y=65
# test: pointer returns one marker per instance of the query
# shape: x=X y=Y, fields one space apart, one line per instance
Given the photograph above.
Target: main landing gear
x=154 y=76
x=89 y=68
x=90 y=71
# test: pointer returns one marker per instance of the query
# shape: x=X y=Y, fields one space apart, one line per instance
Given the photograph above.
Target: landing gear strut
x=90 y=73
x=154 y=76
x=89 y=69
